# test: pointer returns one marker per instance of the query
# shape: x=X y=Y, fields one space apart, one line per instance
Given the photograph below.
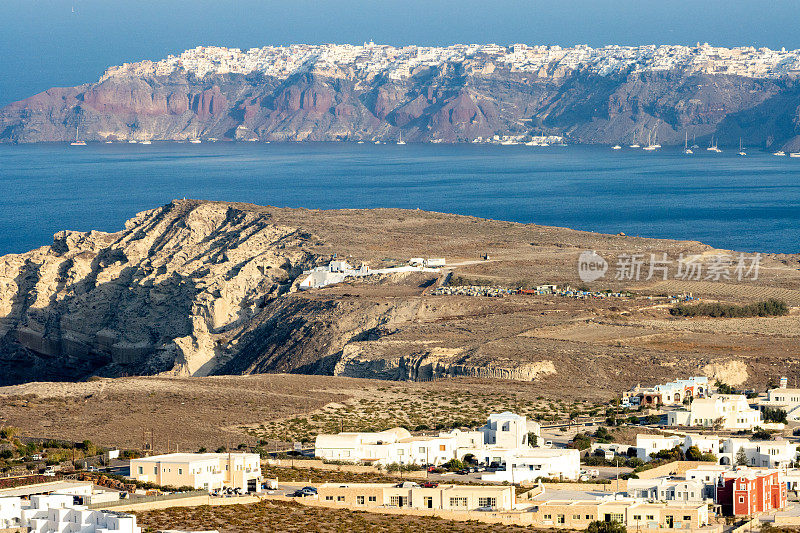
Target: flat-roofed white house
x=760 y=453
x=56 y=513
x=662 y=489
x=647 y=445
x=503 y=435
x=721 y=411
x=536 y=463
x=208 y=471
x=783 y=398
x=10 y=512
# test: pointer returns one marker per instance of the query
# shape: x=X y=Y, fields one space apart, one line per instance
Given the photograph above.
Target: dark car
x=305 y=491
x=463 y=472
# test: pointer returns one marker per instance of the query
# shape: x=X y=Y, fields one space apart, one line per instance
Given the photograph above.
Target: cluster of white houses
x=504 y=441
x=57 y=513
x=778 y=453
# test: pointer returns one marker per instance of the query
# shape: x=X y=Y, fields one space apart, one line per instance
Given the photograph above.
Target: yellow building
x=209 y=471
x=412 y=496
x=632 y=513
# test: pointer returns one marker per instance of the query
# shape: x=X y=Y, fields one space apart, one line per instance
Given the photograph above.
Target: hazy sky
x=44 y=44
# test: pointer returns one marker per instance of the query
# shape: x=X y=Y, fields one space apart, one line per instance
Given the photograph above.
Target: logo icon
x=591 y=266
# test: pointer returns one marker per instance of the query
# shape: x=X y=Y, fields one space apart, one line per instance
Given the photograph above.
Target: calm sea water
x=743 y=203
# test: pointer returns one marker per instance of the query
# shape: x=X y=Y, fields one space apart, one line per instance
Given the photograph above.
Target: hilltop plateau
x=197 y=288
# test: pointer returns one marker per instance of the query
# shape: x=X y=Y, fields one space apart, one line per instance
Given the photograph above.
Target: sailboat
x=634 y=145
x=616 y=147
x=712 y=147
x=77 y=142
x=741 y=150
x=779 y=153
x=651 y=144
x=401 y=141
x=694 y=145
x=686 y=149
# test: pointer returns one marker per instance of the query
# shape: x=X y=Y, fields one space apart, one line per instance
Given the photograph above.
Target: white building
x=536 y=463
x=647 y=445
x=209 y=471
x=783 y=398
x=672 y=393
x=668 y=490
x=759 y=453
x=503 y=435
x=56 y=513
x=722 y=411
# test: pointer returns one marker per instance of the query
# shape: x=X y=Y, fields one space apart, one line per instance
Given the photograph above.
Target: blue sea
x=742 y=203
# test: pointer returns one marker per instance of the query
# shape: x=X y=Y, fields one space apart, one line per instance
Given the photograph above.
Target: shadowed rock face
x=148 y=299
x=452 y=103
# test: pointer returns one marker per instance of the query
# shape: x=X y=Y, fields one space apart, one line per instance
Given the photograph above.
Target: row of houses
x=779 y=453
x=57 y=513
x=504 y=441
x=672 y=393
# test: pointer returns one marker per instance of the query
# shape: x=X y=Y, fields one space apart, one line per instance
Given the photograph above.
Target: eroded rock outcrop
x=154 y=297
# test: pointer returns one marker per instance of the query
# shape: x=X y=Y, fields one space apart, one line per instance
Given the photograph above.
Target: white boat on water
x=741 y=150
x=616 y=147
x=146 y=142
x=195 y=141
x=77 y=141
x=651 y=144
x=712 y=147
x=779 y=153
x=794 y=154
x=686 y=149
x=133 y=141
x=400 y=140
x=109 y=142
x=635 y=144
x=359 y=142
x=377 y=142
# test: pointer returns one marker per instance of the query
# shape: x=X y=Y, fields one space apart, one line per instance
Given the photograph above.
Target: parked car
x=305 y=492
x=463 y=472
x=429 y=485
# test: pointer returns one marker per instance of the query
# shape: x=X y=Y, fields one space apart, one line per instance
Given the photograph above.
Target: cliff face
x=453 y=102
x=152 y=298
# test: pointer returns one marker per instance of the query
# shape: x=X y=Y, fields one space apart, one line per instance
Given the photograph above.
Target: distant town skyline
x=50 y=43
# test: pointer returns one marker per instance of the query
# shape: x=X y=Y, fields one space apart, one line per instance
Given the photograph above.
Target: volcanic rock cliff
x=199 y=288
x=450 y=103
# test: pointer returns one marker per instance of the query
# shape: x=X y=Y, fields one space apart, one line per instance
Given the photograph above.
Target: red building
x=747 y=491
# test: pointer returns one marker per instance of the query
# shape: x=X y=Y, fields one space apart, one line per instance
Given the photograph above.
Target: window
x=394 y=501
x=422 y=450
x=442 y=447
x=651 y=517
x=458 y=502
x=576 y=517
x=560 y=519
x=180 y=471
x=329 y=498
x=548 y=517
x=487 y=502
x=359 y=500
x=589 y=517
x=687 y=517
x=637 y=517
x=141 y=470
x=618 y=517
x=155 y=470
x=372 y=498
x=340 y=498
x=741 y=499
